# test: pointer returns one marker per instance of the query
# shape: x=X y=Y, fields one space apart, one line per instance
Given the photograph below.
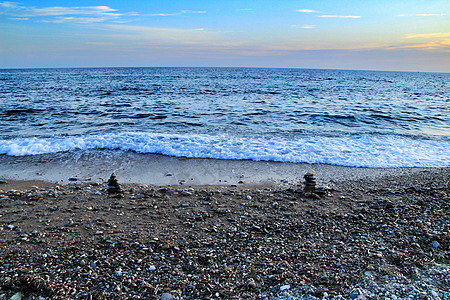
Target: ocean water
x=346 y=118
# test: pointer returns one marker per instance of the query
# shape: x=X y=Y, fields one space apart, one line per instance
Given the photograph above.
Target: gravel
x=361 y=239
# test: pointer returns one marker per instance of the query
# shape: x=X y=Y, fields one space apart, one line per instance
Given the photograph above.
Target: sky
x=339 y=34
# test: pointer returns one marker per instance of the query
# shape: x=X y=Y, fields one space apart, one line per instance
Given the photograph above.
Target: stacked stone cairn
x=311 y=190
x=113 y=185
x=310 y=182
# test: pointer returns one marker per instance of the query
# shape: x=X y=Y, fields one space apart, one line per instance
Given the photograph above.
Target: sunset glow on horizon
x=375 y=35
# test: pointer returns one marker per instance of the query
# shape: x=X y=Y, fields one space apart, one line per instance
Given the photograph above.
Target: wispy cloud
x=308 y=11
x=304 y=26
x=443 y=44
x=427 y=41
x=427 y=35
x=84 y=14
x=183 y=12
x=243 y=9
x=422 y=15
x=75 y=20
x=437 y=40
x=322 y=15
x=339 y=16
x=7 y=4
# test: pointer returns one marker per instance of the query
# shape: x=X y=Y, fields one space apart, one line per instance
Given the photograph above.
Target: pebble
x=167 y=296
x=17 y=296
x=186 y=193
x=251 y=283
x=358 y=294
x=435 y=244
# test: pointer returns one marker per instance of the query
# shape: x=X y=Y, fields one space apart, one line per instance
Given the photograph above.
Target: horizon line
x=217 y=67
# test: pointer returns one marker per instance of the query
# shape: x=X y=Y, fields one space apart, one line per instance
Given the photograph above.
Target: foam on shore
x=352 y=151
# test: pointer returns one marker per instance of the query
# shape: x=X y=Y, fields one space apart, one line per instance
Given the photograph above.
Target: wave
x=355 y=151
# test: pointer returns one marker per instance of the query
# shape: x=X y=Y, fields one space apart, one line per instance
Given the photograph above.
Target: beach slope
x=366 y=237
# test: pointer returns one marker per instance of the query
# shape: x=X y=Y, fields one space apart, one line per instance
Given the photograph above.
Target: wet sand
x=164 y=170
x=374 y=234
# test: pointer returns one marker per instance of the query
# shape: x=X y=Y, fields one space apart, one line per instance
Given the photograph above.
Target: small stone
x=73 y=179
x=358 y=294
x=251 y=283
x=435 y=244
x=285 y=287
x=17 y=296
x=186 y=193
x=3 y=182
x=167 y=296
x=256 y=227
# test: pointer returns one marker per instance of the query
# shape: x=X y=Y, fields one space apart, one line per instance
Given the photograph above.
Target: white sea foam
x=356 y=151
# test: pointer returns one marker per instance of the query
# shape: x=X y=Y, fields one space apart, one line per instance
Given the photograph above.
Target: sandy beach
x=239 y=230
x=153 y=169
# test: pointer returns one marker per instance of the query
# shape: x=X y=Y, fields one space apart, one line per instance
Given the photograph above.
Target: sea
x=338 y=117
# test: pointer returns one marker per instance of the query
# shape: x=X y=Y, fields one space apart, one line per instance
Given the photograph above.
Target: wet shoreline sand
x=154 y=169
x=375 y=234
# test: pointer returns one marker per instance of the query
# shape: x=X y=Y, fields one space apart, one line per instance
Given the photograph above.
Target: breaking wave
x=355 y=151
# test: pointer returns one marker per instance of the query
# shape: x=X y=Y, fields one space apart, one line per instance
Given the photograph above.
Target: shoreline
x=155 y=169
x=368 y=237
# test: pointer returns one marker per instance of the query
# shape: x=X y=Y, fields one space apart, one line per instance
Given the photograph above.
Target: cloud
x=61 y=11
x=304 y=26
x=439 y=40
x=75 y=20
x=443 y=44
x=427 y=35
x=339 y=16
x=101 y=43
x=183 y=12
x=243 y=9
x=8 y=4
x=308 y=11
x=85 y=14
x=311 y=11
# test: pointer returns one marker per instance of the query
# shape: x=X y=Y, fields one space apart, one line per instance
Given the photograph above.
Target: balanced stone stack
x=113 y=185
x=310 y=182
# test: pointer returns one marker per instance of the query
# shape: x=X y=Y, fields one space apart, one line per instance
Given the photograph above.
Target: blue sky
x=347 y=34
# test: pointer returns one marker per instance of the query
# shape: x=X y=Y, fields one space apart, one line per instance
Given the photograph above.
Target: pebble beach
x=384 y=237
